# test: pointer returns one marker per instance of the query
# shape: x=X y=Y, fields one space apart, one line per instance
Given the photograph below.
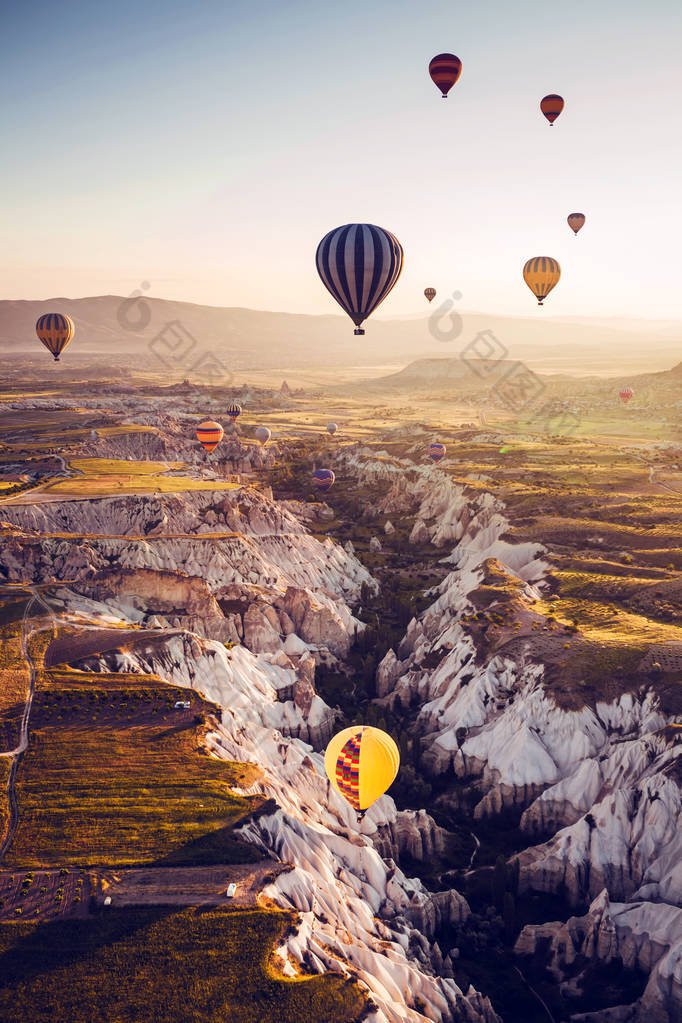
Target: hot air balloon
x=209 y=435
x=361 y=763
x=358 y=265
x=263 y=435
x=436 y=452
x=541 y=274
x=331 y=428
x=323 y=479
x=55 y=330
x=625 y=394
x=234 y=411
x=552 y=106
x=576 y=221
x=430 y=293
x=445 y=69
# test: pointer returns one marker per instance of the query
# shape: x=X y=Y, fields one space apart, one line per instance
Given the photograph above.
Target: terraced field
x=116 y=775
x=173 y=967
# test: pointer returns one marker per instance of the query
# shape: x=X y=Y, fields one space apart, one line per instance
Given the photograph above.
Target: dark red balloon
x=445 y=69
x=552 y=106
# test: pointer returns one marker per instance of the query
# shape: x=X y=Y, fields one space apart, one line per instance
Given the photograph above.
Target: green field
x=126 y=966
x=120 y=467
x=110 y=485
x=112 y=777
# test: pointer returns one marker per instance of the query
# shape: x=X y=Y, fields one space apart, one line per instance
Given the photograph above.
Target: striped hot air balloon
x=55 y=330
x=541 y=274
x=625 y=394
x=234 y=411
x=361 y=763
x=323 y=479
x=436 y=452
x=430 y=293
x=263 y=435
x=209 y=435
x=359 y=264
x=445 y=69
x=576 y=221
x=551 y=106
x=331 y=428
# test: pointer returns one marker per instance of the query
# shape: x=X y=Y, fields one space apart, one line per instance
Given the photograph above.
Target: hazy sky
x=207 y=147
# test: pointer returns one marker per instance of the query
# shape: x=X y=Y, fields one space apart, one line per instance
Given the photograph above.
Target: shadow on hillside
x=219 y=846
x=60 y=943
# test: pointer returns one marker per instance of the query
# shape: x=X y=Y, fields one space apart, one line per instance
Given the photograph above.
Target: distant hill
x=117 y=329
x=466 y=375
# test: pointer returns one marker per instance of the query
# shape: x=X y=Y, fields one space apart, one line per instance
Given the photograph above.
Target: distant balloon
x=361 y=763
x=436 y=452
x=625 y=394
x=576 y=221
x=331 y=428
x=430 y=293
x=209 y=435
x=55 y=330
x=541 y=274
x=445 y=69
x=263 y=435
x=234 y=411
x=323 y=479
x=359 y=265
x=552 y=106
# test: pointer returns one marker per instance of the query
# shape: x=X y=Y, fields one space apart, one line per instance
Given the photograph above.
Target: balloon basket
x=359 y=332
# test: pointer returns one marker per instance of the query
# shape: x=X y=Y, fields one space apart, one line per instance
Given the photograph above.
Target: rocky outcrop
x=643 y=936
x=411 y=832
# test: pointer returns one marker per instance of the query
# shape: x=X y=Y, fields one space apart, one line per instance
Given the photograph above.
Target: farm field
x=195 y=966
x=116 y=775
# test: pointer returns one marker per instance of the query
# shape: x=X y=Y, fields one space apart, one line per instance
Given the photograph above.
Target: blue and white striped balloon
x=358 y=265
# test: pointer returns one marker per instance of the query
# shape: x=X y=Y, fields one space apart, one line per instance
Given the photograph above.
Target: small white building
x=231 y=890
x=182 y=705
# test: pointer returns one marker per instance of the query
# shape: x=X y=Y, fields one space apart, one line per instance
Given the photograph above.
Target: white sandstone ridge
x=358 y=911
x=446 y=513
x=607 y=775
x=240 y=510
x=173 y=439
x=627 y=835
x=259 y=577
x=642 y=935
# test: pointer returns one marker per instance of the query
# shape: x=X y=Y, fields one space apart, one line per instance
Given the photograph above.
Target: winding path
x=534 y=992
x=16 y=754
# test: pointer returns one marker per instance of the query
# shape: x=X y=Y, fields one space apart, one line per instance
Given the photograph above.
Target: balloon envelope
x=576 y=221
x=436 y=452
x=430 y=293
x=263 y=434
x=551 y=106
x=332 y=428
x=625 y=394
x=541 y=274
x=209 y=434
x=359 y=265
x=234 y=411
x=55 y=330
x=445 y=69
x=361 y=763
x=323 y=479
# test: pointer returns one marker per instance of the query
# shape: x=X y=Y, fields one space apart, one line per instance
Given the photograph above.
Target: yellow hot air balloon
x=361 y=763
x=209 y=435
x=55 y=330
x=541 y=274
